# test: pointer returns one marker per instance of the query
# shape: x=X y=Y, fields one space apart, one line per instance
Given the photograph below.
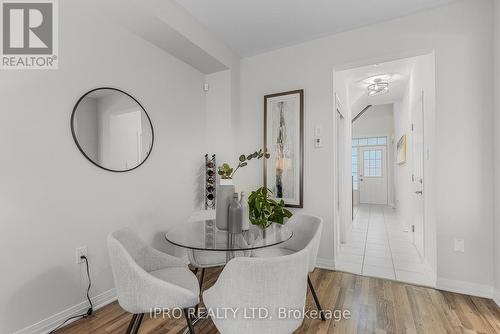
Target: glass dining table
x=205 y=236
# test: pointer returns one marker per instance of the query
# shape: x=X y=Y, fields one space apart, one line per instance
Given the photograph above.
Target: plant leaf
x=242 y=158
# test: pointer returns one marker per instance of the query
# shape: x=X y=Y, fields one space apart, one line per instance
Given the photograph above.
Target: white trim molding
x=46 y=325
x=496 y=297
x=467 y=288
x=327 y=264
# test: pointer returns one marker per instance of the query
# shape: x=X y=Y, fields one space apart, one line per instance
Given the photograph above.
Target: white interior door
x=373 y=175
x=418 y=174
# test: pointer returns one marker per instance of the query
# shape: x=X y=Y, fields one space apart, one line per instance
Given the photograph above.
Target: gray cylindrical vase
x=245 y=219
x=235 y=215
x=225 y=191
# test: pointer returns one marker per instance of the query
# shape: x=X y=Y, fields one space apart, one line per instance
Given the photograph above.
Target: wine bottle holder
x=210 y=181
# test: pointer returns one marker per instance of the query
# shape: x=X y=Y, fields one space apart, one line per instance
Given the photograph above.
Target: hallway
x=378 y=246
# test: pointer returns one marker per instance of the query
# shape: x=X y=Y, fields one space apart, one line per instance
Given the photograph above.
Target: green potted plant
x=226 y=172
x=226 y=188
x=264 y=210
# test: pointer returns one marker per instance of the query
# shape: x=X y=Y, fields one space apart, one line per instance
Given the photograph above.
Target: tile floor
x=378 y=246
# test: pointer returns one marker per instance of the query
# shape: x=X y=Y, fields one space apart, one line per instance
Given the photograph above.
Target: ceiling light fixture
x=378 y=88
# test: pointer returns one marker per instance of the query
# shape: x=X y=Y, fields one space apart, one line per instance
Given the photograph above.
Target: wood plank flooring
x=376 y=306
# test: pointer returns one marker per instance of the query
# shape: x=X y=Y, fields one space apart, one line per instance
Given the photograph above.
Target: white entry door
x=417 y=139
x=373 y=175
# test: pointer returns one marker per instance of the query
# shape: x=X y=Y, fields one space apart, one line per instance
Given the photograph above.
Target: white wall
x=422 y=79
x=496 y=42
x=53 y=200
x=461 y=35
x=402 y=172
x=377 y=121
x=219 y=116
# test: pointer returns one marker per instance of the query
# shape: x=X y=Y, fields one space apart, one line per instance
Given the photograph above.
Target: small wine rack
x=210 y=181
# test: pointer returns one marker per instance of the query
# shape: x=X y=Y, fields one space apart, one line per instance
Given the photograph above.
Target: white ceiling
x=249 y=27
x=399 y=72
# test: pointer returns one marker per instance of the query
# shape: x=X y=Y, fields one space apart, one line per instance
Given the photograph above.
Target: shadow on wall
x=199 y=187
x=38 y=293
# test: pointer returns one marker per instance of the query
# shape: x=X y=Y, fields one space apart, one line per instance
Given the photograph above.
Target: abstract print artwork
x=283 y=139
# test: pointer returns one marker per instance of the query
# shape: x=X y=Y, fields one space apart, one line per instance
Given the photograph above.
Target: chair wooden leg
x=202 y=278
x=201 y=286
x=316 y=300
x=189 y=321
x=132 y=323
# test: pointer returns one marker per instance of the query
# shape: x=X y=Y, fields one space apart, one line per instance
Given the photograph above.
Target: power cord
x=91 y=308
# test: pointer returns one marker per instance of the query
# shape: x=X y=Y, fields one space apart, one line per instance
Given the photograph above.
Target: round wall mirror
x=112 y=129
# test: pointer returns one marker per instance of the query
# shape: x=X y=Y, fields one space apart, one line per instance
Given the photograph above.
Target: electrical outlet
x=459 y=245
x=81 y=251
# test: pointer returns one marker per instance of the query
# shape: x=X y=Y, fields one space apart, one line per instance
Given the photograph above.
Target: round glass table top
x=204 y=235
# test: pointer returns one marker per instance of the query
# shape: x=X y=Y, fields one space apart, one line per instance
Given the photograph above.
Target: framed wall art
x=284 y=140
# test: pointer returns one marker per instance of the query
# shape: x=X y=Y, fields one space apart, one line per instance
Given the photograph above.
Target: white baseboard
x=466 y=288
x=496 y=297
x=46 y=325
x=327 y=264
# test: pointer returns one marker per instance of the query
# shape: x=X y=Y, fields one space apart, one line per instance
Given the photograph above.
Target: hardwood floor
x=376 y=306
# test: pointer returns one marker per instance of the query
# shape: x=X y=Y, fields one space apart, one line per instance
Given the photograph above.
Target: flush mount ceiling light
x=379 y=77
x=378 y=88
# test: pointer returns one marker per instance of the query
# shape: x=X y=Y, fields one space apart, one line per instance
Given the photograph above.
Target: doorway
x=388 y=148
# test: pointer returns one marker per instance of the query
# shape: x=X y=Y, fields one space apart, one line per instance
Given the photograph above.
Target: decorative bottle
x=245 y=220
x=235 y=215
x=224 y=195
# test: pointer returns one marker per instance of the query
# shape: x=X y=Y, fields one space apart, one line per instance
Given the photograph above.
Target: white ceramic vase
x=225 y=191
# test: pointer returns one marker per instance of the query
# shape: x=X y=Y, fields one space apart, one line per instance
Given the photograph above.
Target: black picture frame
x=300 y=163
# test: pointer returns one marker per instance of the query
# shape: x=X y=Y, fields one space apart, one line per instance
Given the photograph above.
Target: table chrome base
x=194 y=321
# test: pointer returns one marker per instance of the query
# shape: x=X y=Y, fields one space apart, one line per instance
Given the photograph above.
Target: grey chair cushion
x=272 y=252
x=182 y=277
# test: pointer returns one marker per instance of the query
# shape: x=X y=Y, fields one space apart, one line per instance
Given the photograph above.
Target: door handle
x=419 y=192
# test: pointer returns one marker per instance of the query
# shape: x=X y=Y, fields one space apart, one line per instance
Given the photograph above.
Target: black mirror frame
x=83 y=152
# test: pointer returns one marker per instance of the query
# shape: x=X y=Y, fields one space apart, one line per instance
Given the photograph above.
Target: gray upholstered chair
x=248 y=283
x=306 y=235
x=146 y=278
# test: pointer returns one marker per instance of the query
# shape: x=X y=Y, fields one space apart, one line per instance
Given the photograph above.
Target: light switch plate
x=317 y=130
x=459 y=245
